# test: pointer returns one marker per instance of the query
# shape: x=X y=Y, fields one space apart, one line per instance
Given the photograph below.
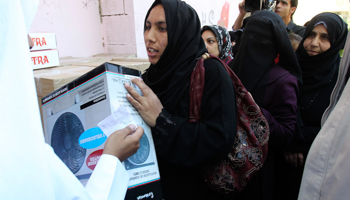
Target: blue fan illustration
x=142 y=153
x=65 y=141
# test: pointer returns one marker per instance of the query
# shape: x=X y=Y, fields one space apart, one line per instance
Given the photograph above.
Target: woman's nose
x=150 y=35
x=315 y=41
x=206 y=45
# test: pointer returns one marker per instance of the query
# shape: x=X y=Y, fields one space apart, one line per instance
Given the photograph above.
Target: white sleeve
x=109 y=179
x=29 y=168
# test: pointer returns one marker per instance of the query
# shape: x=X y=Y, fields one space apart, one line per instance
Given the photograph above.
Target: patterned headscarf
x=224 y=41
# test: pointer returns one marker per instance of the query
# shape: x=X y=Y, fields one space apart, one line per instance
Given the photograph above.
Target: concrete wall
x=118 y=25
x=76 y=23
x=87 y=27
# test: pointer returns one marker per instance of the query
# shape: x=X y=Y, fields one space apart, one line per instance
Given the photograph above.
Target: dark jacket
x=291 y=27
x=279 y=108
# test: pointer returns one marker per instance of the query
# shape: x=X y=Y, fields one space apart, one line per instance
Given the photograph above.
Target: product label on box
x=55 y=94
x=93 y=158
x=44 y=59
x=92 y=138
x=142 y=166
x=43 y=41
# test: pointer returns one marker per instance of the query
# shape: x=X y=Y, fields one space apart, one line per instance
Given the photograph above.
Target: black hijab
x=318 y=70
x=170 y=77
x=264 y=37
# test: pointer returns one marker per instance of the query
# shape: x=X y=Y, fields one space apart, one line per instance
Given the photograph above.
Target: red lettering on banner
x=43 y=41
x=33 y=59
x=40 y=60
x=37 y=42
x=46 y=60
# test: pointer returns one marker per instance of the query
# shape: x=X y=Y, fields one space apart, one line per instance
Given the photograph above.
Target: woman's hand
x=296 y=159
x=124 y=143
x=148 y=105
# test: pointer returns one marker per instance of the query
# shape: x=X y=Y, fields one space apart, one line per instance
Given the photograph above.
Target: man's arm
x=110 y=179
x=239 y=21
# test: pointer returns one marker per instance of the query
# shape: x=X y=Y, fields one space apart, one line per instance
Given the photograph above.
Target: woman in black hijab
x=183 y=147
x=318 y=55
x=273 y=86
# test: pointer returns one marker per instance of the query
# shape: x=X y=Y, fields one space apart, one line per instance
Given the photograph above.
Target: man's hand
x=124 y=142
x=239 y=20
x=241 y=8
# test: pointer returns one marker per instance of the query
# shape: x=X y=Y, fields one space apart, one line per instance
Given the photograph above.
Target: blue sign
x=92 y=138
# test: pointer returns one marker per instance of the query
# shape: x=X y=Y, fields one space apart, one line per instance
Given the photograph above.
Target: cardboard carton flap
x=48 y=80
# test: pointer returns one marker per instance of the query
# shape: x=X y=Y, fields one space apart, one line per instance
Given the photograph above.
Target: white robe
x=326 y=174
x=29 y=168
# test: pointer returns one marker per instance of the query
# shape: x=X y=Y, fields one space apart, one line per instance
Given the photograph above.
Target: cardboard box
x=141 y=66
x=83 y=61
x=104 y=55
x=43 y=41
x=73 y=115
x=131 y=59
x=49 y=80
x=44 y=59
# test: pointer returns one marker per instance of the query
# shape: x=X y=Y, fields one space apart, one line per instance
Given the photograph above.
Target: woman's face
x=211 y=43
x=318 y=41
x=156 y=34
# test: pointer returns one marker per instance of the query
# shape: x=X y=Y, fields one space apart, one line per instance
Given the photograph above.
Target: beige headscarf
x=338 y=89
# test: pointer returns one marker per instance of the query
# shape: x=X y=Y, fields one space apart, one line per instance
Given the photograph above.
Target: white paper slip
x=116 y=121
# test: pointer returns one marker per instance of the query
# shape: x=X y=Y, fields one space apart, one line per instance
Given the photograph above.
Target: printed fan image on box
x=79 y=117
x=66 y=128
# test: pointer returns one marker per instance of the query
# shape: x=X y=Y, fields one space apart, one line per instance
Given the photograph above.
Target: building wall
x=88 y=27
x=76 y=23
x=308 y=9
x=118 y=25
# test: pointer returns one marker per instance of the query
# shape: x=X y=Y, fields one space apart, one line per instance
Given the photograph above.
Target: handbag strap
x=198 y=82
x=196 y=89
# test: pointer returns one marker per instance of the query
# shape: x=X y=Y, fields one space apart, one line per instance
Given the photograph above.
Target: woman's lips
x=151 y=52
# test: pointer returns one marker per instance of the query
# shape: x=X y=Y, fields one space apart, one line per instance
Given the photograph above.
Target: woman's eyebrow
x=157 y=23
x=160 y=23
x=211 y=37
